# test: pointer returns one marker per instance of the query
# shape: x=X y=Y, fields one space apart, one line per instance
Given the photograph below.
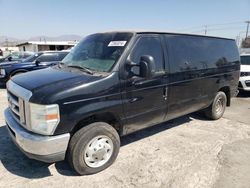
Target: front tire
x=217 y=108
x=93 y=148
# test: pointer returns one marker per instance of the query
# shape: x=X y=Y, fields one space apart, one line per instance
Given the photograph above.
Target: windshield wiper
x=61 y=64
x=82 y=68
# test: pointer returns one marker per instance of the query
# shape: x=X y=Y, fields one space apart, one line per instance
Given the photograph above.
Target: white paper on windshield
x=117 y=43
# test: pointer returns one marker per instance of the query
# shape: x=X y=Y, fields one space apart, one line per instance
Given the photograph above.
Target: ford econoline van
x=115 y=83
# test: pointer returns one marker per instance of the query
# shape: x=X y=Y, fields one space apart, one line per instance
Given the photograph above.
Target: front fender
x=74 y=113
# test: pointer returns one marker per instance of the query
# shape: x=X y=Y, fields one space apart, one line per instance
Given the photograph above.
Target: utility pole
x=248 y=22
x=7 y=42
x=205 y=29
x=237 y=40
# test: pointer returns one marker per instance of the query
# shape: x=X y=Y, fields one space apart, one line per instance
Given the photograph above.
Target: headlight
x=44 y=118
x=2 y=72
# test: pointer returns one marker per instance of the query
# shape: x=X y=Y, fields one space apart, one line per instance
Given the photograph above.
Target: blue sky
x=27 y=18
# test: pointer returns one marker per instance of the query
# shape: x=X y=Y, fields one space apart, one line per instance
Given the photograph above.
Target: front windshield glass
x=245 y=60
x=98 y=52
x=32 y=58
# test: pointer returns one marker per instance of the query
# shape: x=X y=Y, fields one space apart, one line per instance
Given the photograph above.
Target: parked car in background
x=16 y=56
x=244 y=82
x=1 y=53
x=37 y=61
x=112 y=84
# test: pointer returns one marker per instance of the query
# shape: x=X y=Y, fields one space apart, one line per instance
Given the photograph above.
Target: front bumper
x=43 y=148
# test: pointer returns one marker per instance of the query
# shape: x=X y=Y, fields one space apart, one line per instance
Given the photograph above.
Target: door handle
x=137 y=83
x=165 y=93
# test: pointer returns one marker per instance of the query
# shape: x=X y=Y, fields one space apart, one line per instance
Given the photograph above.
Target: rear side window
x=62 y=55
x=148 y=46
x=48 y=57
x=195 y=53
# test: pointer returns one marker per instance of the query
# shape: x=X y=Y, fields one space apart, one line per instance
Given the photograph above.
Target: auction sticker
x=117 y=43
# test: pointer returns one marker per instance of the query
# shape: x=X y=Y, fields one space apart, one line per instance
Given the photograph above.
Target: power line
x=230 y=23
x=210 y=25
x=225 y=28
x=206 y=30
x=218 y=28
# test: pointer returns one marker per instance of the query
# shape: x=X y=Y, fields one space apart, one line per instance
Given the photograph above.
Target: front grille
x=16 y=105
x=242 y=74
x=18 y=98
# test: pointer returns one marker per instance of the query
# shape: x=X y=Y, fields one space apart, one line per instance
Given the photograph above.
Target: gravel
x=186 y=152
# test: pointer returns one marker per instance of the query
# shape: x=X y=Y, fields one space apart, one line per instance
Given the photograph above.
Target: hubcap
x=219 y=106
x=98 y=151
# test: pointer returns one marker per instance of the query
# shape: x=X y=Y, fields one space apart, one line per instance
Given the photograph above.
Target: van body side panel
x=199 y=68
x=144 y=105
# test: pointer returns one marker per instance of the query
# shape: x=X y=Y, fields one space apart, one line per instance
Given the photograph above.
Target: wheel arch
x=18 y=71
x=227 y=91
x=107 y=117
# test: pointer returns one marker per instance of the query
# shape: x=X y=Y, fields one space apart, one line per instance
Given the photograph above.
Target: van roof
x=164 y=32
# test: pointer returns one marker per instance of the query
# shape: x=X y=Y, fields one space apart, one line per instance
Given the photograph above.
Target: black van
x=112 y=84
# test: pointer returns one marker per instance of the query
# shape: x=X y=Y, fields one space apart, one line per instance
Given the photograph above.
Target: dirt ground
x=187 y=152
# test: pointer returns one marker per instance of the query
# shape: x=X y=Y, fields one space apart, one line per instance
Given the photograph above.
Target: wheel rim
x=219 y=105
x=98 y=151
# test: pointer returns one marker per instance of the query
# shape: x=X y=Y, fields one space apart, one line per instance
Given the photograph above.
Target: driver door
x=145 y=100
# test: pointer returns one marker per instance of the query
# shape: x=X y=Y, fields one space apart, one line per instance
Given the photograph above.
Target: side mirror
x=37 y=62
x=10 y=58
x=147 y=66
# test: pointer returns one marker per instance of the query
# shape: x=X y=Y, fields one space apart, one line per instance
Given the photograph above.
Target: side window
x=189 y=53
x=15 y=56
x=48 y=58
x=61 y=56
x=148 y=46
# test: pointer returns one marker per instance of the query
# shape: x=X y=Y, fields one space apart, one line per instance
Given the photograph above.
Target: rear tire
x=217 y=108
x=93 y=148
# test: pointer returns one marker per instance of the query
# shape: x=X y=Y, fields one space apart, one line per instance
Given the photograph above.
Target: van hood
x=245 y=68
x=52 y=78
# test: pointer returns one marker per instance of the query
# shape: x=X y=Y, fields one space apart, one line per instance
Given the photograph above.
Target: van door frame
x=165 y=67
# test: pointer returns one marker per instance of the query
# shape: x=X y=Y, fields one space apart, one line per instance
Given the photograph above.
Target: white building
x=36 y=46
x=7 y=50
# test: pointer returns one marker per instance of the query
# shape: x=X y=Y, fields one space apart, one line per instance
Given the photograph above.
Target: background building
x=36 y=46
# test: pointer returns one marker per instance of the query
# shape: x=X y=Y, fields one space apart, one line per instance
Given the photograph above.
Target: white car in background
x=244 y=83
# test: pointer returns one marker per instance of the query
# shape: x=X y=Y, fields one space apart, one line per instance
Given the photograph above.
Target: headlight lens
x=2 y=72
x=44 y=118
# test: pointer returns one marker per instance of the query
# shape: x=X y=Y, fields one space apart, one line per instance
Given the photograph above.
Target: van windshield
x=98 y=52
x=245 y=60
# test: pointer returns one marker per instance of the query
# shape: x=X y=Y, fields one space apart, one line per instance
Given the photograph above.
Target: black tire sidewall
x=217 y=97
x=96 y=129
